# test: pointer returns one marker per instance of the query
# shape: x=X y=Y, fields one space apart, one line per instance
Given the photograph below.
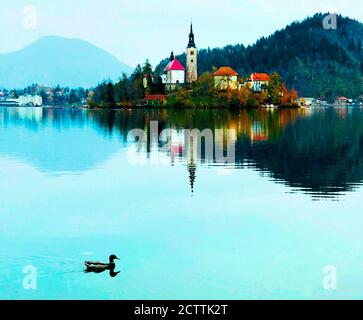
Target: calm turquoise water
x=264 y=226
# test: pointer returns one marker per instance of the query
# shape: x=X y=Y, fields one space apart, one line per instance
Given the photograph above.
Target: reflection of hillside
x=322 y=153
x=53 y=140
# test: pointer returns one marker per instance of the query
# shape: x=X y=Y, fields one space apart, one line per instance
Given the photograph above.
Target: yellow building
x=225 y=78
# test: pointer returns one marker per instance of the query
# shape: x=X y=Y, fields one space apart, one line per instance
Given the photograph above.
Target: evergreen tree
x=44 y=97
x=110 y=95
x=122 y=89
x=137 y=86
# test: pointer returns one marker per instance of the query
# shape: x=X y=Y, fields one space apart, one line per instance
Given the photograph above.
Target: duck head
x=113 y=258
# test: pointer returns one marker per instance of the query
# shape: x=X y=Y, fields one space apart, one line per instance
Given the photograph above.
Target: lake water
x=76 y=186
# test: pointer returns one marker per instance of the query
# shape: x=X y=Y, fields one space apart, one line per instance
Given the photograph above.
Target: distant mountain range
x=315 y=61
x=58 y=61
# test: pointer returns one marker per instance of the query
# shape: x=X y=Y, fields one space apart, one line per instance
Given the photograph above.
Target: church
x=175 y=74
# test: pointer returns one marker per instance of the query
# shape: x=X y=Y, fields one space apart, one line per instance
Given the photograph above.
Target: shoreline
x=138 y=107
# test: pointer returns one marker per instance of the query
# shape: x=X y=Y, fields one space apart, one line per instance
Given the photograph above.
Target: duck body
x=98 y=267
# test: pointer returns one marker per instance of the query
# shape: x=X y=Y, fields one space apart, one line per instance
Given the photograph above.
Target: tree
x=110 y=95
x=147 y=72
x=359 y=45
x=243 y=95
x=205 y=82
x=293 y=95
x=73 y=98
x=44 y=97
x=137 y=86
x=273 y=89
x=122 y=89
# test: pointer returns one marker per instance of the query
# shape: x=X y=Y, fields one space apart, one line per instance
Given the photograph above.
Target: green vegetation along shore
x=130 y=92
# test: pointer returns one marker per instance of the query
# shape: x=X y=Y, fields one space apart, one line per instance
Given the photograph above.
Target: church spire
x=192 y=65
x=191 y=43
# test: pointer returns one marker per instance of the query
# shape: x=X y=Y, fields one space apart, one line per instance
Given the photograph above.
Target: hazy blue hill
x=54 y=60
x=315 y=61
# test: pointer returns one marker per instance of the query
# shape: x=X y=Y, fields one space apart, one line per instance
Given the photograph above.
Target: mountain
x=315 y=61
x=54 y=60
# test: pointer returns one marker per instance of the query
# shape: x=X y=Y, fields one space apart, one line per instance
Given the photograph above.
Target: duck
x=99 y=267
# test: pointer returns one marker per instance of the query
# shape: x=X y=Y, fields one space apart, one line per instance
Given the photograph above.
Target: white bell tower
x=192 y=62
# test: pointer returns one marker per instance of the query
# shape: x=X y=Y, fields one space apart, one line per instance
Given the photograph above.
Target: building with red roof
x=258 y=81
x=225 y=72
x=225 y=78
x=174 y=65
x=174 y=73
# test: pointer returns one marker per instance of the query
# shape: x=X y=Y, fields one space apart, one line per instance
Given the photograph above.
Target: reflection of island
x=316 y=151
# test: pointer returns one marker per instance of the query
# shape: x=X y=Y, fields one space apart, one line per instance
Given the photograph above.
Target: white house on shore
x=36 y=100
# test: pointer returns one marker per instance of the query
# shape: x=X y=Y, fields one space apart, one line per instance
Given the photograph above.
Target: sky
x=135 y=30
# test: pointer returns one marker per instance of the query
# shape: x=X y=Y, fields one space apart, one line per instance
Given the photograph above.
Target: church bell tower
x=192 y=71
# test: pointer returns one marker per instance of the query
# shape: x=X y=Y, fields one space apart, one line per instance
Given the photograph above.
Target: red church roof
x=174 y=65
x=260 y=77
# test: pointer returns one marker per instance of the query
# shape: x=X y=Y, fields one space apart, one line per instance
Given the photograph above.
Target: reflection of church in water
x=187 y=151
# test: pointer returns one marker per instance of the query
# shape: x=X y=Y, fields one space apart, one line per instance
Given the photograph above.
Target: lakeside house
x=24 y=100
x=258 y=81
x=343 y=100
x=225 y=78
x=30 y=100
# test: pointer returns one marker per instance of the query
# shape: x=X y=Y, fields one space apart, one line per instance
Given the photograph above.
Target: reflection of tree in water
x=316 y=152
x=322 y=154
